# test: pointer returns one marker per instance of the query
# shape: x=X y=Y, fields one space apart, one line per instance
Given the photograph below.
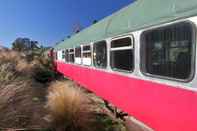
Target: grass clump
x=7 y=72
x=12 y=65
x=68 y=108
x=10 y=56
x=15 y=64
x=8 y=62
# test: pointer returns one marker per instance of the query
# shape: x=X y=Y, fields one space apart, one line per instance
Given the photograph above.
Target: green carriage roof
x=138 y=15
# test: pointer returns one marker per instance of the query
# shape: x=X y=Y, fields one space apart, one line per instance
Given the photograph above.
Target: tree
x=68 y=36
x=24 y=44
x=94 y=22
x=77 y=27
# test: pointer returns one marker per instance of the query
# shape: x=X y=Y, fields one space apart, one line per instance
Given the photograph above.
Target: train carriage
x=142 y=59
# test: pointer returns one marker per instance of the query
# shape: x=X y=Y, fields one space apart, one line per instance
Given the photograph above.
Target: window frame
x=63 y=54
x=131 y=47
x=93 y=63
x=70 y=53
x=59 y=55
x=89 y=51
x=66 y=55
x=193 y=46
x=78 y=57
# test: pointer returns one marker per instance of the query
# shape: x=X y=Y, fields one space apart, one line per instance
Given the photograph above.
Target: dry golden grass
x=24 y=67
x=68 y=107
x=18 y=61
x=10 y=56
x=9 y=65
x=7 y=72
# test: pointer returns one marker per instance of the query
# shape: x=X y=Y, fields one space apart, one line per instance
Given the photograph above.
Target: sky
x=50 y=21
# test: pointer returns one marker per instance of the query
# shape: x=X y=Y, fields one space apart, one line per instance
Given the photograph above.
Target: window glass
x=71 y=56
x=86 y=48
x=121 y=42
x=169 y=51
x=121 y=54
x=67 y=55
x=100 y=54
x=71 y=50
x=87 y=56
x=63 y=54
x=78 y=55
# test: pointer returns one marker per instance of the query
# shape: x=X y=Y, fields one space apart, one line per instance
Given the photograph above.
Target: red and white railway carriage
x=142 y=59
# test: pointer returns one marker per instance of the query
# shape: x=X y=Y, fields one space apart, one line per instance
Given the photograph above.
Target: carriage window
x=100 y=54
x=87 y=56
x=168 y=51
x=67 y=55
x=59 y=55
x=121 y=54
x=63 y=54
x=78 y=55
x=71 y=56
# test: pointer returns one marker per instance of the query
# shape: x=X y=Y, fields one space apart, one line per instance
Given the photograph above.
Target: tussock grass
x=23 y=97
x=14 y=64
x=10 y=56
x=67 y=106
x=28 y=68
x=7 y=72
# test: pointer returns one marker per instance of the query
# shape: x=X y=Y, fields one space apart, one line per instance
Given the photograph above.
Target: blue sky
x=49 y=21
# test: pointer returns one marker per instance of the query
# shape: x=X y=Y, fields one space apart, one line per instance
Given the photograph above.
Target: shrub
x=68 y=108
x=44 y=75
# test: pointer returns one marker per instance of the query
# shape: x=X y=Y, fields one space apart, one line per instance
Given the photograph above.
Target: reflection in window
x=78 y=55
x=63 y=54
x=71 y=56
x=100 y=54
x=169 y=51
x=87 y=56
x=122 y=54
x=67 y=55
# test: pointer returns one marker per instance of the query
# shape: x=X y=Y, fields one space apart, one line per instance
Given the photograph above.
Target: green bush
x=44 y=75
